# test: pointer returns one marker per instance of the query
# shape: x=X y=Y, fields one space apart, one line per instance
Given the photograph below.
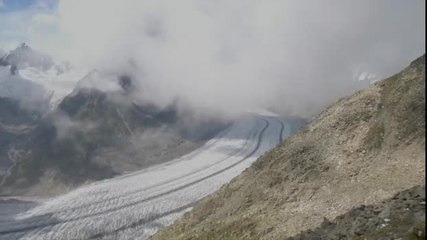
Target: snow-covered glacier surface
x=136 y=205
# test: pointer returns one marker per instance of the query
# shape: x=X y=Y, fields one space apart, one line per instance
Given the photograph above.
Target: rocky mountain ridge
x=92 y=134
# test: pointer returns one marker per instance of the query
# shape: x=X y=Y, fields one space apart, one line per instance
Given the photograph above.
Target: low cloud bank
x=225 y=57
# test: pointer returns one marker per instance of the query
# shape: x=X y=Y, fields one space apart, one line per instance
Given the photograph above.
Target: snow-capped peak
x=25 y=72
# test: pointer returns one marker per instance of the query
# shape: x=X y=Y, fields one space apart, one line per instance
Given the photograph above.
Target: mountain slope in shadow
x=94 y=135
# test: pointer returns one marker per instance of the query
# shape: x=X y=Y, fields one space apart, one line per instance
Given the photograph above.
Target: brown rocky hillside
x=361 y=151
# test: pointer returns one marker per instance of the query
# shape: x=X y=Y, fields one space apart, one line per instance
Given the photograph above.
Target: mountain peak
x=24 y=56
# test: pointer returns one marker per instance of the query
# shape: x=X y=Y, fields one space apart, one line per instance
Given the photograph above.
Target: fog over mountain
x=228 y=56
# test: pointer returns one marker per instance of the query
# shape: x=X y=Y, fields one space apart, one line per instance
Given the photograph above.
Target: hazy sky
x=226 y=55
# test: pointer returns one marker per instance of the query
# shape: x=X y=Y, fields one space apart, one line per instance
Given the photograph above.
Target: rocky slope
x=360 y=151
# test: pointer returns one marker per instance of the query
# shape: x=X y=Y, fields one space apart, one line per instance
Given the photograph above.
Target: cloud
x=231 y=56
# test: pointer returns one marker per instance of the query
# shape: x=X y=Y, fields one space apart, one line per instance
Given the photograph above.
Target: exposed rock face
x=362 y=150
